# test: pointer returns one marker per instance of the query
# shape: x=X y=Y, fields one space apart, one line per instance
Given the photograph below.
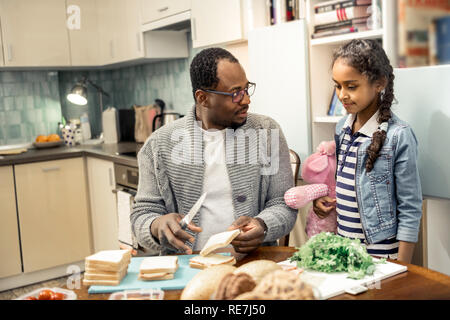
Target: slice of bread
x=108 y=260
x=92 y=274
x=213 y=259
x=219 y=240
x=159 y=264
x=87 y=282
x=155 y=276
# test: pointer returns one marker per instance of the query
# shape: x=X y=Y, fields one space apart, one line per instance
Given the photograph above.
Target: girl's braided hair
x=368 y=57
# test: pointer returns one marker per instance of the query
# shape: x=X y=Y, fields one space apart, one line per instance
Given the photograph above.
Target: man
x=208 y=151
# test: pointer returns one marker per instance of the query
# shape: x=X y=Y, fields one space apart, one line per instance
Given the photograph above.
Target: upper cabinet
x=153 y=10
x=82 y=25
x=218 y=22
x=34 y=33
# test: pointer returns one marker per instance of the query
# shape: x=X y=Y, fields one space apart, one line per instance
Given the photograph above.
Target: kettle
x=166 y=117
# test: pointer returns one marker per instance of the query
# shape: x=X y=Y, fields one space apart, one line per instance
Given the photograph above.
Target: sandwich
x=212 y=259
x=158 y=268
x=106 y=267
x=219 y=240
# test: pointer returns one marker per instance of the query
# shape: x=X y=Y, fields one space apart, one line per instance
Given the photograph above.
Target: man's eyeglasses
x=237 y=96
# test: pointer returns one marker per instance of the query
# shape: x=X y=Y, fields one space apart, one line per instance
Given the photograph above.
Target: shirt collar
x=368 y=128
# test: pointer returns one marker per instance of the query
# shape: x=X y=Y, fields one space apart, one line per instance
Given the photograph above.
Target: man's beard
x=235 y=125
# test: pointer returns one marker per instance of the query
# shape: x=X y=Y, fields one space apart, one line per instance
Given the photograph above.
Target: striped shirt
x=349 y=220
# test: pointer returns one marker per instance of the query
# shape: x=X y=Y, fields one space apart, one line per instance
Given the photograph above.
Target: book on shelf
x=439 y=41
x=336 y=32
x=338 y=4
x=416 y=31
x=359 y=22
x=336 y=108
x=339 y=28
x=341 y=14
x=286 y=10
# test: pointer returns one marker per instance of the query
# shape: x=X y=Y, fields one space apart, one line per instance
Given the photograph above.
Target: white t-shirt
x=216 y=213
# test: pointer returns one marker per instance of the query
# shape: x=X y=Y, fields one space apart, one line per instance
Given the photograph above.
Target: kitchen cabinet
x=120 y=38
x=34 y=33
x=217 y=22
x=9 y=231
x=52 y=202
x=103 y=204
x=84 y=38
x=157 y=9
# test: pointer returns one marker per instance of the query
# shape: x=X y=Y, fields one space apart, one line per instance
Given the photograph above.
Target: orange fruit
x=53 y=137
x=41 y=138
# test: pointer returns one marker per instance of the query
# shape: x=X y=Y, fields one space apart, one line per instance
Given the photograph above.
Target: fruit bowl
x=52 y=144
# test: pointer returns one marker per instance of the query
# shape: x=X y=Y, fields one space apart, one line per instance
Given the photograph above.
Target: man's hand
x=168 y=230
x=251 y=236
x=323 y=206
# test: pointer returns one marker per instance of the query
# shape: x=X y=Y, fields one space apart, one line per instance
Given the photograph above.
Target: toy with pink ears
x=319 y=171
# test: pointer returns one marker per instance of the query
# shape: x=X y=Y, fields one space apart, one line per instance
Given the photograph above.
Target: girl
x=378 y=192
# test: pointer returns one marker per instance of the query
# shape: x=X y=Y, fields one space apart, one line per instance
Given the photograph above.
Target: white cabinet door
x=103 y=204
x=84 y=37
x=157 y=9
x=53 y=208
x=9 y=230
x=216 y=22
x=280 y=52
x=34 y=33
x=119 y=31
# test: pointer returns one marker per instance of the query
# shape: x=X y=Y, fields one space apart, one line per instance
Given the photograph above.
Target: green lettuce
x=328 y=252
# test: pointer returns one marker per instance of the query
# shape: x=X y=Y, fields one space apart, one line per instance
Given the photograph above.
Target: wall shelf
x=370 y=34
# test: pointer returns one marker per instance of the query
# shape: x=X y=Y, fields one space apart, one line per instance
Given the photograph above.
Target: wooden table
x=416 y=284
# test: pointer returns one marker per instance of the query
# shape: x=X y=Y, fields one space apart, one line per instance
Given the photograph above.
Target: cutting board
x=332 y=284
x=13 y=151
x=181 y=277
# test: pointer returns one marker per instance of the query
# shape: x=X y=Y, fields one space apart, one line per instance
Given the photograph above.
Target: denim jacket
x=390 y=196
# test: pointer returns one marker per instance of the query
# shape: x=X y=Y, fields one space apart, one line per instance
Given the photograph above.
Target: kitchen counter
x=109 y=152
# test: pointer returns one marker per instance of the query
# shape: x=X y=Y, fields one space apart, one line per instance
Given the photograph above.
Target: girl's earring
x=382 y=93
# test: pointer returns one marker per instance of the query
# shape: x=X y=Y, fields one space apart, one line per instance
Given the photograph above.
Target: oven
x=127 y=178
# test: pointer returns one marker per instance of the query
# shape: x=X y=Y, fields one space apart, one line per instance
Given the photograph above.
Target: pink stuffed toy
x=318 y=169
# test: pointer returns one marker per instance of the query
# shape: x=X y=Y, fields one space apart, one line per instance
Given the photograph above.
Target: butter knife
x=188 y=218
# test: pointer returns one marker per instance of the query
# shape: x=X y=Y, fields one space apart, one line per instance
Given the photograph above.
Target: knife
x=188 y=218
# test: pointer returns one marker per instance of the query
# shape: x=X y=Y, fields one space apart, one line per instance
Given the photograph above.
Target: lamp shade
x=78 y=94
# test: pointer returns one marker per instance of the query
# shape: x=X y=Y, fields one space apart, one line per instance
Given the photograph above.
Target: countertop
x=102 y=151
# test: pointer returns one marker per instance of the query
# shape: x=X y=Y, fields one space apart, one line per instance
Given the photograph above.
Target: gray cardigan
x=171 y=170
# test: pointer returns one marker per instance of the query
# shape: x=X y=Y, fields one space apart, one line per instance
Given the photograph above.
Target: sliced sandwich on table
x=158 y=268
x=106 y=267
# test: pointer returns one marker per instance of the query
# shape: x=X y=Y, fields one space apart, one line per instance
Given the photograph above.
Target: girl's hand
x=323 y=206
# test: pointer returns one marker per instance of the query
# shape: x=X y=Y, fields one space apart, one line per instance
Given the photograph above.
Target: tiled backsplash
x=135 y=85
x=33 y=102
x=29 y=105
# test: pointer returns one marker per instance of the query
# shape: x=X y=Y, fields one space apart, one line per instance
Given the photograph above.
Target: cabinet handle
x=51 y=169
x=111 y=48
x=10 y=56
x=194 y=29
x=138 y=39
x=163 y=9
x=110 y=177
